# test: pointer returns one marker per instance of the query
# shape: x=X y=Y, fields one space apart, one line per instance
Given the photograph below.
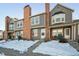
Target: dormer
x=61 y=14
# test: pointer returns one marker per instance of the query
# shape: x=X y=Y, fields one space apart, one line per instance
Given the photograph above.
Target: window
x=11 y=20
x=60 y=31
x=32 y=20
x=55 y=32
x=58 y=18
x=35 y=20
x=18 y=25
x=62 y=19
x=67 y=31
x=11 y=27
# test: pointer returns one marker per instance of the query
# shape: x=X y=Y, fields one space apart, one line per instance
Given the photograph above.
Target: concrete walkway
x=11 y=52
x=30 y=50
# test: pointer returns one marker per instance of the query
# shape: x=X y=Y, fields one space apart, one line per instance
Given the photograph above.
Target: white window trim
x=37 y=18
x=56 y=32
x=67 y=36
x=55 y=20
x=69 y=31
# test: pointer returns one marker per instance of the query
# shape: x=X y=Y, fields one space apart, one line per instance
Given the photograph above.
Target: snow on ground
x=55 y=48
x=2 y=41
x=21 y=45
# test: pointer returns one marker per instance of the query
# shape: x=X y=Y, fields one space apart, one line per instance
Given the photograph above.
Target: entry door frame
x=66 y=36
x=43 y=31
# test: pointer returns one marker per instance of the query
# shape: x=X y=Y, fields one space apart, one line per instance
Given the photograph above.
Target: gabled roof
x=27 y=6
x=38 y=14
x=63 y=7
x=19 y=20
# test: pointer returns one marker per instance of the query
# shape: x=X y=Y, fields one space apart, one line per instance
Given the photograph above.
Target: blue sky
x=15 y=10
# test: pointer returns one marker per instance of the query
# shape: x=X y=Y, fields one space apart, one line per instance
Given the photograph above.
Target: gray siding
x=42 y=21
x=77 y=36
x=68 y=13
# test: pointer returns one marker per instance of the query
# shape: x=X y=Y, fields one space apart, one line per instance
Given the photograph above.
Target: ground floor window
x=55 y=32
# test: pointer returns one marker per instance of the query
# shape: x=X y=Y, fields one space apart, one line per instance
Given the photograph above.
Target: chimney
x=47 y=18
x=47 y=7
x=26 y=23
x=47 y=10
x=7 y=21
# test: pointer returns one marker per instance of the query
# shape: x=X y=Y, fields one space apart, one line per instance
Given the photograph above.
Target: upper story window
x=19 y=24
x=32 y=20
x=11 y=20
x=35 y=20
x=11 y=27
x=58 y=18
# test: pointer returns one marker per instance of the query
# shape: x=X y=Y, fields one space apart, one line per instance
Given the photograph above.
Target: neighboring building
x=44 y=25
x=18 y=28
x=14 y=28
x=1 y=34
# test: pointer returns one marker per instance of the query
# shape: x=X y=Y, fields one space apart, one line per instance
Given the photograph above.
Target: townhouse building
x=14 y=27
x=44 y=25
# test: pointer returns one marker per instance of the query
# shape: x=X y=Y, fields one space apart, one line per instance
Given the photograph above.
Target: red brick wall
x=47 y=9
x=26 y=23
x=7 y=21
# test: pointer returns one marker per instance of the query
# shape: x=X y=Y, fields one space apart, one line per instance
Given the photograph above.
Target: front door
x=67 y=33
x=43 y=34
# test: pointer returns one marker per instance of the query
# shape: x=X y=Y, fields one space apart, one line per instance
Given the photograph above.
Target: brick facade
x=47 y=17
x=27 y=23
x=7 y=21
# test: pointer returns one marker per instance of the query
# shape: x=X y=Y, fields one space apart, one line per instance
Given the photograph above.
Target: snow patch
x=55 y=48
x=21 y=45
x=2 y=41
